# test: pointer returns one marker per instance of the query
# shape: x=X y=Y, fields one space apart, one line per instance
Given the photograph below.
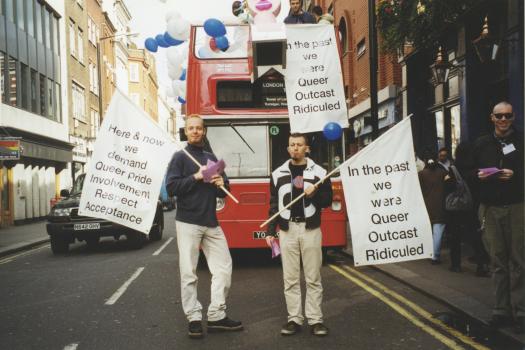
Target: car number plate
x=259 y=234
x=92 y=226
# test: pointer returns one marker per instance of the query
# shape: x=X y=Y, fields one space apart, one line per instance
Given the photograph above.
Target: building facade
x=143 y=86
x=33 y=84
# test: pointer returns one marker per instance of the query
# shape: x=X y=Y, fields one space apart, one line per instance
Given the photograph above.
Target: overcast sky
x=149 y=20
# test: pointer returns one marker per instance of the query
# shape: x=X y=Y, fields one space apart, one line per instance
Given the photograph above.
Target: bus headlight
x=220 y=204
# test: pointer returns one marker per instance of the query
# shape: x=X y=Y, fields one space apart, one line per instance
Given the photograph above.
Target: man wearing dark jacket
x=197 y=226
x=501 y=213
x=297 y=15
x=300 y=234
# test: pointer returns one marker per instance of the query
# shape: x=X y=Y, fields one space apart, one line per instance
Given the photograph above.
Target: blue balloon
x=183 y=74
x=214 y=28
x=222 y=42
x=181 y=100
x=151 y=44
x=171 y=41
x=160 y=40
x=332 y=131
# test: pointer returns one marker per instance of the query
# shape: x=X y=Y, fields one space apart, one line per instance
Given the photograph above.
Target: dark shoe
x=195 y=329
x=499 y=321
x=435 y=262
x=290 y=328
x=455 y=269
x=319 y=330
x=224 y=325
x=520 y=323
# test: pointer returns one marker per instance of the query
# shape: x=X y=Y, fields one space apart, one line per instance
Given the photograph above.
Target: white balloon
x=169 y=91
x=174 y=71
x=178 y=28
x=175 y=56
x=172 y=14
x=179 y=88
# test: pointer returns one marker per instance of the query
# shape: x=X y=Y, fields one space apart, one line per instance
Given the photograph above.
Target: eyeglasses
x=499 y=116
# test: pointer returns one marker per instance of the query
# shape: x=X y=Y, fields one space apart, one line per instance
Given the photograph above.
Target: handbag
x=461 y=198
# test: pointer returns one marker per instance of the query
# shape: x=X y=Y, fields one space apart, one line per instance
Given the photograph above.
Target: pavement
x=464 y=292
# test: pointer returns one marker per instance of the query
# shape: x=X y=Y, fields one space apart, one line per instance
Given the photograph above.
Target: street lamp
x=440 y=69
x=486 y=45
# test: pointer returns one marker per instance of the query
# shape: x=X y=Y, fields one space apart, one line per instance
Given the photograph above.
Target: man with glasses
x=498 y=159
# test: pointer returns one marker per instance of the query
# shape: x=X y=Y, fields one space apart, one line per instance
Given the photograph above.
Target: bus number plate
x=259 y=234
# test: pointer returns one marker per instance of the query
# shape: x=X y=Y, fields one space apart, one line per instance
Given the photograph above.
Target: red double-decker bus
x=248 y=127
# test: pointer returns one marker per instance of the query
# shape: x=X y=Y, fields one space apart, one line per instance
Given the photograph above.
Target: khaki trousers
x=504 y=239
x=297 y=243
x=214 y=246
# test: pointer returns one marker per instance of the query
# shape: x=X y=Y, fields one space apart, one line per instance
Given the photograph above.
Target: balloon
x=214 y=28
x=171 y=41
x=175 y=57
x=179 y=87
x=174 y=72
x=172 y=14
x=332 y=131
x=160 y=41
x=213 y=45
x=222 y=42
x=169 y=92
x=178 y=28
x=183 y=75
x=181 y=100
x=151 y=45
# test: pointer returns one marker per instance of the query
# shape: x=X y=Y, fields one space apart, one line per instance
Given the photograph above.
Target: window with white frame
x=95 y=123
x=72 y=38
x=134 y=72
x=79 y=102
x=93 y=78
x=80 y=39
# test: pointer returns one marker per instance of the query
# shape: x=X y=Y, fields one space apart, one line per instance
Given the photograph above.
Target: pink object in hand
x=263 y=5
x=491 y=171
x=276 y=251
x=213 y=168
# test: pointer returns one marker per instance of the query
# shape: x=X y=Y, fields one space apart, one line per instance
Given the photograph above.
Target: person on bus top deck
x=297 y=15
x=197 y=226
x=300 y=234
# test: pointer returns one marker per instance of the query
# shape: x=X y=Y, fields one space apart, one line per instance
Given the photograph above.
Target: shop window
x=440 y=129
x=34 y=91
x=455 y=127
x=453 y=86
x=24 y=84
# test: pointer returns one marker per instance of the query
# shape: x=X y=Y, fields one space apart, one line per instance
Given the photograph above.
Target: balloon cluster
x=217 y=31
x=161 y=40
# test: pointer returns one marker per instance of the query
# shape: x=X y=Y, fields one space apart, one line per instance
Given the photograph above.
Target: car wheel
x=136 y=239
x=92 y=242
x=59 y=245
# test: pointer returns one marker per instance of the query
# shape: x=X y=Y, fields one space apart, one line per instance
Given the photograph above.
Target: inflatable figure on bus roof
x=264 y=11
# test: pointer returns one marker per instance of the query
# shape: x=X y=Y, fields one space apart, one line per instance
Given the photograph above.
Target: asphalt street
x=113 y=297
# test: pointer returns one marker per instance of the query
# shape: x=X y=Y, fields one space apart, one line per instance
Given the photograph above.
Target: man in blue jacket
x=297 y=15
x=197 y=226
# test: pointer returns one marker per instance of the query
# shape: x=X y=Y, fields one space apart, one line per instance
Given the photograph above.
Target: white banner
x=129 y=161
x=388 y=218
x=314 y=81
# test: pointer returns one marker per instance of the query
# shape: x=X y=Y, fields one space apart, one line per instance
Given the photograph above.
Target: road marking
x=123 y=288
x=419 y=310
x=157 y=252
x=12 y=257
x=72 y=346
x=451 y=343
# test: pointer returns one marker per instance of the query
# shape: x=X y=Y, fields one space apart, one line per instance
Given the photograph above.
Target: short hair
x=503 y=104
x=193 y=116
x=317 y=10
x=443 y=149
x=236 y=7
x=298 y=134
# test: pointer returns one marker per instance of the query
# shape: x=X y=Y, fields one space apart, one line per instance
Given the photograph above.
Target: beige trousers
x=214 y=246
x=297 y=243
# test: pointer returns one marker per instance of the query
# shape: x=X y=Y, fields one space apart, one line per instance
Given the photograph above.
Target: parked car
x=167 y=201
x=64 y=225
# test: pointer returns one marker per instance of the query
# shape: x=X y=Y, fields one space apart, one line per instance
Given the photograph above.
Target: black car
x=64 y=225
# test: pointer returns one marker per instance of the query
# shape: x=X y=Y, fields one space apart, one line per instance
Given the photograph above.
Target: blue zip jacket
x=196 y=200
